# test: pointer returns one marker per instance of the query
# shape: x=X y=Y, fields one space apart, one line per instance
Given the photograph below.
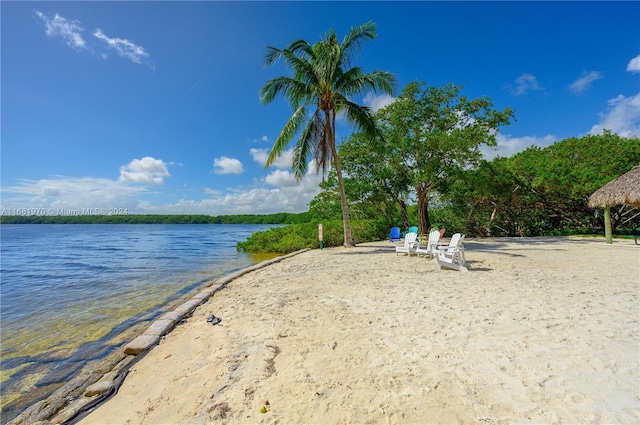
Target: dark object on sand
x=214 y=320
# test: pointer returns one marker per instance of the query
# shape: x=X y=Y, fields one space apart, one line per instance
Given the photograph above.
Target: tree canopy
x=538 y=191
x=431 y=134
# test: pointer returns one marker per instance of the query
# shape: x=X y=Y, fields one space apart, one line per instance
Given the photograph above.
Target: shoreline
x=66 y=308
x=540 y=330
x=101 y=378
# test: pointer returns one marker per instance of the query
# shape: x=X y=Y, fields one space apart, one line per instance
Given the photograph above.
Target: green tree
x=326 y=204
x=432 y=134
x=374 y=179
x=323 y=80
x=560 y=178
x=483 y=191
x=545 y=190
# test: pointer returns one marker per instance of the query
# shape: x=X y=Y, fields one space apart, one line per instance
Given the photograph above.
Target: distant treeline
x=278 y=218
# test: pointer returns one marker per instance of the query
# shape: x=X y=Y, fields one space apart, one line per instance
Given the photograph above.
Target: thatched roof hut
x=625 y=190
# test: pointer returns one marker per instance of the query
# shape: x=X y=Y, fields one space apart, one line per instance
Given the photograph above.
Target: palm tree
x=321 y=79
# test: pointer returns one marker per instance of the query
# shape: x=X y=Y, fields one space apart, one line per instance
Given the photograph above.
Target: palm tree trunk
x=348 y=239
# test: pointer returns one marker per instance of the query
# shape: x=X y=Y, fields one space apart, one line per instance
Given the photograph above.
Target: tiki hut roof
x=623 y=190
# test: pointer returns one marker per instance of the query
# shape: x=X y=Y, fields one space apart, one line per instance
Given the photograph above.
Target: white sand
x=541 y=330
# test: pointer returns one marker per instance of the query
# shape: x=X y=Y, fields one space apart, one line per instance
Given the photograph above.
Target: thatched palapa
x=625 y=190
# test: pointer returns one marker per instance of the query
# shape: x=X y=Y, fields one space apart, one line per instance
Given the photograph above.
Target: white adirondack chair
x=432 y=244
x=452 y=256
x=408 y=247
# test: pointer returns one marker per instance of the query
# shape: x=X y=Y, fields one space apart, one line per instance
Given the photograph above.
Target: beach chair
x=394 y=235
x=409 y=245
x=413 y=229
x=452 y=256
x=432 y=244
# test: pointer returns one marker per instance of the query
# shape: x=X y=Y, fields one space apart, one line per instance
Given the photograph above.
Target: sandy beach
x=540 y=330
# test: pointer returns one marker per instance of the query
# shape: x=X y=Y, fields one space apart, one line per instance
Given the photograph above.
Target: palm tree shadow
x=499 y=248
x=376 y=249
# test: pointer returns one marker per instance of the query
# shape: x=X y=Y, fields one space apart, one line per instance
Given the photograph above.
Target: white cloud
x=281 y=178
x=68 y=30
x=72 y=192
x=285 y=196
x=634 y=64
x=212 y=192
x=584 y=82
x=283 y=161
x=524 y=84
x=286 y=180
x=507 y=145
x=90 y=193
x=125 y=48
x=622 y=117
x=224 y=165
x=276 y=192
x=259 y=155
x=252 y=201
x=377 y=102
x=147 y=170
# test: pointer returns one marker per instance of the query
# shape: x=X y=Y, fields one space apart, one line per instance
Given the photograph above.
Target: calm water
x=66 y=290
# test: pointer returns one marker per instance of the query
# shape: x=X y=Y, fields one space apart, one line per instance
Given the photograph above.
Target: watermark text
x=64 y=212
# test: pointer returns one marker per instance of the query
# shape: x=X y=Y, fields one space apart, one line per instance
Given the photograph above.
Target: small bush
x=299 y=236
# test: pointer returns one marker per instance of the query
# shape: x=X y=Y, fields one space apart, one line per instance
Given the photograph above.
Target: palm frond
x=300 y=47
x=301 y=67
x=348 y=82
x=272 y=55
x=274 y=87
x=355 y=81
x=354 y=40
x=325 y=62
x=358 y=116
x=288 y=131
x=297 y=92
x=302 y=151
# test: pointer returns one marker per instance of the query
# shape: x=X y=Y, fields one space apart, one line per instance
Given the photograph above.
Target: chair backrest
x=395 y=233
x=410 y=238
x=434 y=237
x=456 y=239
x=413 y=229
x=442 y=231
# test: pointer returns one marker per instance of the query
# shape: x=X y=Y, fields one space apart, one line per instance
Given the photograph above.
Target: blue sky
x=153 y=106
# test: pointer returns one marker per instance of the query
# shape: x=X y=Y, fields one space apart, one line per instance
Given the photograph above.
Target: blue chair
x=394 y=235
x=413 y=229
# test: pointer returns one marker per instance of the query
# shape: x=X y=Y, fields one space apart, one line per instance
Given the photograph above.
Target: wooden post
x=607 y=225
